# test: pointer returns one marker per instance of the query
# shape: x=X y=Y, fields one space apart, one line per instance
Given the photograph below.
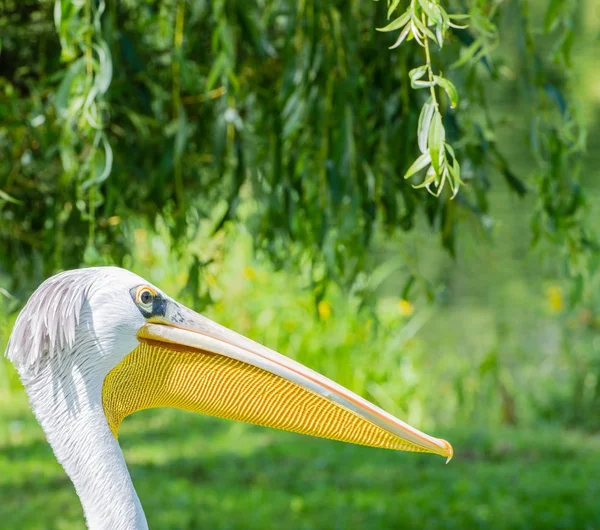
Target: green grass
x=193 y=471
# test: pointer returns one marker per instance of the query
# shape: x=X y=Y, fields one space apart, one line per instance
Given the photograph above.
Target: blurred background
x=248 y=158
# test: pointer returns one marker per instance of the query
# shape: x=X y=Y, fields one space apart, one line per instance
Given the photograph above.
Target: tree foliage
x=116 y=112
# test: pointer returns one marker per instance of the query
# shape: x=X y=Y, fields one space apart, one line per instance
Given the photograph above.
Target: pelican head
x=94 y=345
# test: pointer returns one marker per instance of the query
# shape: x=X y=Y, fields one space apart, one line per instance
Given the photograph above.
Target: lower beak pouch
x=167 y=370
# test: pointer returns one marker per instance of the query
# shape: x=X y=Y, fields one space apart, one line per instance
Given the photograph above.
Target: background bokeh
x=247 y=157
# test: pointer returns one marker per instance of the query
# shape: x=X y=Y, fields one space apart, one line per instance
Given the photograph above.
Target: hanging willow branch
x=85 y=150
x=424 y=21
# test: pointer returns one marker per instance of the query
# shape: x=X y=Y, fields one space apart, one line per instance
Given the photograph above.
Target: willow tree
x=336 y=120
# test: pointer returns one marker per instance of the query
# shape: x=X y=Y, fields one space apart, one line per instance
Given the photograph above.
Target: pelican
x=94 y=345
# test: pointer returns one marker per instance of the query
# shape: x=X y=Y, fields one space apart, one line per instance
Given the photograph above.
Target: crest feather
x=46 y=325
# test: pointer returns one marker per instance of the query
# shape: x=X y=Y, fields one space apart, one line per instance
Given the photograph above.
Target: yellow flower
x=249 y=273
x=554 y=296
x=405 y=308
x=324 y=310
x=113 y=221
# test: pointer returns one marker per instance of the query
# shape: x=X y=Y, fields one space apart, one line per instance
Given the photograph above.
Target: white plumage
x=73 y=330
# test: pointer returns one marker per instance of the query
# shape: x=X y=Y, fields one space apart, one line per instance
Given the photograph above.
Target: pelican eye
x=145 y=298
x=150 y=302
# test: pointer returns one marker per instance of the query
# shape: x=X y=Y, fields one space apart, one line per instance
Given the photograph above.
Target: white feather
x=74 y=329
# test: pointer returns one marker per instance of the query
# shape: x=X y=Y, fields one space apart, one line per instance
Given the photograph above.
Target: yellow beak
x=187 y=361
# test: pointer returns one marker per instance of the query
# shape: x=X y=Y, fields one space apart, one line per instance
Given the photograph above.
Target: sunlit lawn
x=197 y=472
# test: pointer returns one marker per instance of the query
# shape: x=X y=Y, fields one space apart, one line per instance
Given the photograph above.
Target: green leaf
x=407 y=287
x=439 y=35
x=293 y=114
x=436 y=140
x=455 y=181
x=6 y=294
x=415 y=76
x=401 y=37
x=424 y=124
x=216 y=71
x=104 y=74
x=430 y=178
x=61 y=100
x=468 y=54
x=101 y=168
x=392 y=7
x=431 y=10
x=457 y=17
x=6 y=197
x=57 y=14
x=424 y=29
x=450 y=89
x=397 y=23
x=552 y=13
x=454 y=170
x=516 y=184
x=420 y=163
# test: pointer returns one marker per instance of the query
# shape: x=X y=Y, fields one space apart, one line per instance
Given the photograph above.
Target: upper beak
x=188 y=361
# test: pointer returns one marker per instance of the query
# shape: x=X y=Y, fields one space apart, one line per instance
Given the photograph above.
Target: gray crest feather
x=46 y=325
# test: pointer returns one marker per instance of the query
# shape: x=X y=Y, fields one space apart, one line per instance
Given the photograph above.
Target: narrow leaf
x=397 y=23
x=416 y=74
x=424 y=124
x=430 y=178
x=6 y=197
x=101 y=171
x=431 y=10
x=552 y=13
x=105 y=69
x=435 y=141
x=401 y=37
x=415 y=32
x=392 y=7
x=424 y=29
x=450 y=89
x=439 y=34
x=468 y=54
x=216 y=71
x=57 y=14
x=457 y=26
x=61 y=100
x=419 y=164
